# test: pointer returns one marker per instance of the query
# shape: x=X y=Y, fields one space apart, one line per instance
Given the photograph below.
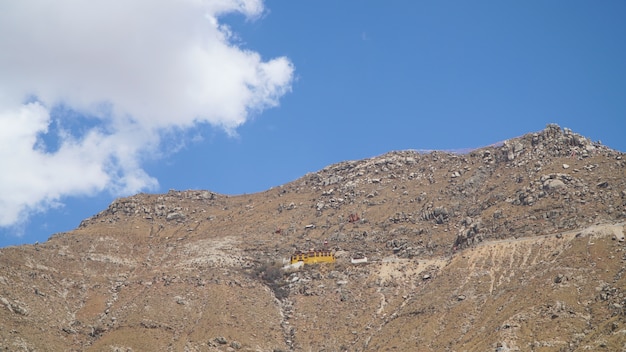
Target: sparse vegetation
x=272 y=275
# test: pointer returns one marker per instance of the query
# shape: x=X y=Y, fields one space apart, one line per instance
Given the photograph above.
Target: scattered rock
x=553 y=184
x=175 y=216
x=558 y=279
x=235 y=345
x=220 y=340
x=180 y=300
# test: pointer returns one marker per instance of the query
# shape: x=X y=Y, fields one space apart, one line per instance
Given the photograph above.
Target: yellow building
x=313 y=256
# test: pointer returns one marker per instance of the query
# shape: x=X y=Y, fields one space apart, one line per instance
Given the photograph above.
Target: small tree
x=272 y=275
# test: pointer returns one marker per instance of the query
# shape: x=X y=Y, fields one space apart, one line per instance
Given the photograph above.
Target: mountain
x=518 y=246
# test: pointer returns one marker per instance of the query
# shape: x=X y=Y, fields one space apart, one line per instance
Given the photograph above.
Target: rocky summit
x=518 y=246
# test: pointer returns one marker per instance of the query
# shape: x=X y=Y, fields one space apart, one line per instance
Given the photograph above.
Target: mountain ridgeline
x=518 y=246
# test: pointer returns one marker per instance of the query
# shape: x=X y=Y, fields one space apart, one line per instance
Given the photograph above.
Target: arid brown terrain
x=518 y=246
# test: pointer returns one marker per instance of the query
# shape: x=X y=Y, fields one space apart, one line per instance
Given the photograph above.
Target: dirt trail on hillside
x=597 y=229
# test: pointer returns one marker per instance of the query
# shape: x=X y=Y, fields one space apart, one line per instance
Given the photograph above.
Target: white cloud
x=134 y=70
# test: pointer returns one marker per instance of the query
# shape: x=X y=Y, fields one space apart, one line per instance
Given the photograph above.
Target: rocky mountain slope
x=518 y=246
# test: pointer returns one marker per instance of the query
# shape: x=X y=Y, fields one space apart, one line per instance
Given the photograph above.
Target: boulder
x=553 y=184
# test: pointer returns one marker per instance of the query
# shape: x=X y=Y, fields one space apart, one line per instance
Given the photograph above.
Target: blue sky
x=315 y=83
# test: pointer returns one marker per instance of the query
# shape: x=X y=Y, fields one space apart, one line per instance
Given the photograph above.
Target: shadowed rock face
x=514 y=247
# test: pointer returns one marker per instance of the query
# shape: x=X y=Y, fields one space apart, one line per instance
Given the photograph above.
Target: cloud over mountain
x=89 y=88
